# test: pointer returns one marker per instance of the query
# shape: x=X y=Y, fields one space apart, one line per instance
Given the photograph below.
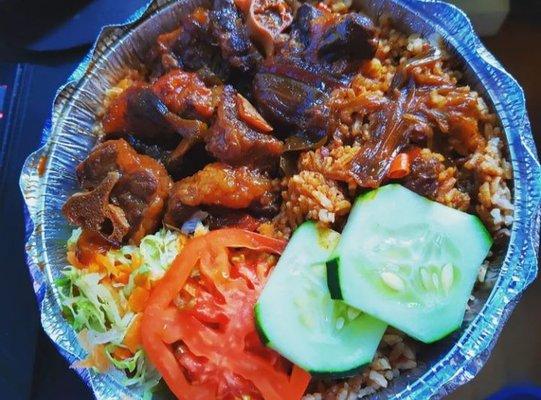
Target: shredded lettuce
x=128 y=364
x=140 y=371
x=111 y=336
x=75 y=234
x=124 y=255
x=159 y=251
x=100 y=295
x=80 y=311
x=89 y=304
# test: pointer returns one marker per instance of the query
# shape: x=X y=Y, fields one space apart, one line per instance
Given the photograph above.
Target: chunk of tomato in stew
x=198 y=328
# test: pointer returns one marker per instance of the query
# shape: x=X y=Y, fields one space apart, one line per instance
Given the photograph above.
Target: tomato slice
x=198 y=327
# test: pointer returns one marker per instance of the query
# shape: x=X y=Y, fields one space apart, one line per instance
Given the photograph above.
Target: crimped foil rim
x=519 y=268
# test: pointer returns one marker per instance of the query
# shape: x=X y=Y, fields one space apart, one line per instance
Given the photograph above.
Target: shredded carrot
x=94 y=267
x=96 y=359
x=119 y=273
x=104 y=262
x=143 y=281
x=132 y=339
x=121 y=270
x=73 y=260
x=400 y=167
x=135 y=262
x=121 y=353
x=138 y=299
x=99 y=358
x=106 y=281
x=122 y=277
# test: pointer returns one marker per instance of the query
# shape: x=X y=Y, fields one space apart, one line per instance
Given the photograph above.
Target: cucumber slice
x=408 y=261
x=296 y=316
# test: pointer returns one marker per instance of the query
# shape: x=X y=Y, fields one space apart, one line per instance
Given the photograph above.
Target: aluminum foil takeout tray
x=68 y=137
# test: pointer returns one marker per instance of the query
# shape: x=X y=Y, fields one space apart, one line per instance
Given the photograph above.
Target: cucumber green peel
x=408 y=261
x=296 y=316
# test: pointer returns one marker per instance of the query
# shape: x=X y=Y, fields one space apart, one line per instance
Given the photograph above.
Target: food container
x=69 y=136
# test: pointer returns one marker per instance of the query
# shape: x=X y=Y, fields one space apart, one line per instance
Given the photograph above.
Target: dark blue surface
x=84 y=26
x=30 y=366
x=60 y=24
x=3 y=92
x=518 y=393
x=18 y=327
